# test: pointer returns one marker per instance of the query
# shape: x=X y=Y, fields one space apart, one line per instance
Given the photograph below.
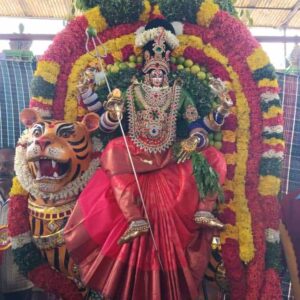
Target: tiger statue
x=54 y=161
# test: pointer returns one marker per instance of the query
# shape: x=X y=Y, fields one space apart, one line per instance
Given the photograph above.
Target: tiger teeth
x=55 y=175
x=38 y=174
x=53 y=163
x=37 y=164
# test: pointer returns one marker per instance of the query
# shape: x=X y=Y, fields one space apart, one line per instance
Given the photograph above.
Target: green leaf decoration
x=115 y=11
x=186 y=10
x=206 y=178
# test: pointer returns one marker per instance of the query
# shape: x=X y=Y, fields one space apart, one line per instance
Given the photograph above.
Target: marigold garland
x=266 y=82
x=48 y=70
x=207 y=12
x=95 y=19
x=144 y=17
x=17 y=188
x=237 y=64
x=258 y=59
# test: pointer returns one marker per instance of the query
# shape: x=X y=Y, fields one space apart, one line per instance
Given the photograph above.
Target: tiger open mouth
x=46 y=168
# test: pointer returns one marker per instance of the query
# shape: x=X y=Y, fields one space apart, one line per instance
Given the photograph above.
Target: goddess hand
x=188 y=146
x=226 y=104
x=115 y=105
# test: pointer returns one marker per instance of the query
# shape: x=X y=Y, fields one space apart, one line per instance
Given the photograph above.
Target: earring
x=165 y=81
x=147 y=79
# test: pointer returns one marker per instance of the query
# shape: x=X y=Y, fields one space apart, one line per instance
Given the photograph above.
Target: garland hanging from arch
x=252 y=139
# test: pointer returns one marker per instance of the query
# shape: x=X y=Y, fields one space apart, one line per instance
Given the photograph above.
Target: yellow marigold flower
x=178 y=51
x=144 y=17
x=156 y=10
x=230 y=158
x=214 y=53
x=246 y=252
x=230 y=232
x=207 y=12
x=183 y=39
x=233 y=110
x=258 y=59
x=117 y=55
x=269 y=185
x=124 y=41
x=81 y=111
x=229 y=185
x=48 y=70
x=273 y=141
x=110 y=46
x=196 y=42
x=190 y=40
x=71 y=109
x=137 y=50
x=43 y=100
x=273 y=111
x=228 y=136
x=268 y=83
x=17 y=189
x=95 y=19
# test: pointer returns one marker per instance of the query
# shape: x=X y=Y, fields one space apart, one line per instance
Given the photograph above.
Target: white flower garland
x=149 y=35
x=273 y=154
x=20 y=240
x=272 y=235
x=273 y=129
x=268 y=96
x=178 y=27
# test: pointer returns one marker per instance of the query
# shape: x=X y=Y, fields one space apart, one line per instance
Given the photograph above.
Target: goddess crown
x=156 y=42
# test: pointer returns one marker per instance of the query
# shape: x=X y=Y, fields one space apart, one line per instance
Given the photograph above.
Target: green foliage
x=198 y=89
x=206 y=178
x=128 y=11
x=273 y=256
x=42 y=88
x=267 y=71
x=186 y=10
x=265 y=106
x=28 y=258
x=275 y=135
x=227 y=5
x=115 y=11
x=270 y=166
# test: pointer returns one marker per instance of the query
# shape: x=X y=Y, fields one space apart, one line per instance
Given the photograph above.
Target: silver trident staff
x=118 y=111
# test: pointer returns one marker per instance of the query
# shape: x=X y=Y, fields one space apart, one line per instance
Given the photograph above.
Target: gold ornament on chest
x=51 y=220
x=152 y=123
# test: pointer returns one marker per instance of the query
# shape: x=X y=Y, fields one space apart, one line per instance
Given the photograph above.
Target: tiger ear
x=29 y=116
x=91 y=121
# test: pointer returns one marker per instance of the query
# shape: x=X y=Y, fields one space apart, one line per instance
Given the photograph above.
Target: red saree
x=132 y=271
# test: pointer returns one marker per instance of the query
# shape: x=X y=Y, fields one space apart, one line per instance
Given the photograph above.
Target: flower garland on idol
x=251 y=139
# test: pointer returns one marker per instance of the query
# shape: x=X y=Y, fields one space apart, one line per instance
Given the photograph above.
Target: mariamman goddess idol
x=142 y=227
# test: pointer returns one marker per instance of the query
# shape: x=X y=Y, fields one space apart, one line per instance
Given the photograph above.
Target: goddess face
x=156 y=78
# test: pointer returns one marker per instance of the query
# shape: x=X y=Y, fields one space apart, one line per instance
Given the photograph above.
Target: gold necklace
x=160 y=98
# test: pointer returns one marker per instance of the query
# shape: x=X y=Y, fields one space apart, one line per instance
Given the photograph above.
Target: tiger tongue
x=46 y=168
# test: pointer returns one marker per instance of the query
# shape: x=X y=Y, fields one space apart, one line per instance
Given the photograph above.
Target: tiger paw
x=208 y=220
x=136 y=228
